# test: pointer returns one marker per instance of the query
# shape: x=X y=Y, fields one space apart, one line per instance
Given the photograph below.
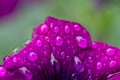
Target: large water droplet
x=99 y=65
x=79 y=65
x=38 y=43
x=32 y=56
x=3 y=71
x=110 y=52
x=56 y=29
x=112 y=64
x=81 y=42
x=77 y=27
x=26 y=72
x=59 y=41
x=44 y=28
x=67 y=29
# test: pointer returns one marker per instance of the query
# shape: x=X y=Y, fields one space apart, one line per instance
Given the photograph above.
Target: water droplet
x=81 y=42
x=94 y=45
x=67 y=29
x=3 y=71
x=52 y=59
x=26 y=72
x=62 y=55
x=78 y=65
x=77 y=27
x=56 y=29
x=51 y=25
x=99 y=66
x=44 y=28
x=112 y=64
x=14 y=59
x=47 y=39
x=59 y=41
x=7 y=58
x=110 y=52
x=38 y=43
x=32 y=56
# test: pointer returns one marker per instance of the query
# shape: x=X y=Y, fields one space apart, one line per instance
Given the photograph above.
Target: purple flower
x=62 y=50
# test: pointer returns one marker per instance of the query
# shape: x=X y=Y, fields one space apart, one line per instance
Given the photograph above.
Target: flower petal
x=101 y=60
x=62 y=50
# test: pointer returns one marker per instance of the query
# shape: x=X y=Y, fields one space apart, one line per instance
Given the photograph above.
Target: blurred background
x=18 y=18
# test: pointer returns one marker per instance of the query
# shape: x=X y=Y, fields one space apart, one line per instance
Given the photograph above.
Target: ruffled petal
x=61 y=50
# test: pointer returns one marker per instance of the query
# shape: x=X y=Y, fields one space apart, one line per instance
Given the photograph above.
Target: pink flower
x=62 y=50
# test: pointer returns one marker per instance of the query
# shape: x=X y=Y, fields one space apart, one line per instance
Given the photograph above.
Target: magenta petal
x=101 y=61
x=115 y=76
x=61 y=50
x=54 y=43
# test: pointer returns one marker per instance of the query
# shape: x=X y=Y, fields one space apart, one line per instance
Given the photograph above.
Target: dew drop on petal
x=38 y=43
x=62 y=55
x=77 y=27
x=81 y=42
x=110 y=52
x=94 y=45
x=44 y=28
x=32 y=56
x=47 y=39
x=59 y=41
x=7 y=58
x=67 y=29
x=3 y=71
x=56 y=29
x=14 y=59
x=99 y=65
x=79 y=65
x=26 y=72
x=112 y=64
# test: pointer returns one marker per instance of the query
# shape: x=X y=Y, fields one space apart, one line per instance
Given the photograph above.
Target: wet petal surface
x=61 y=50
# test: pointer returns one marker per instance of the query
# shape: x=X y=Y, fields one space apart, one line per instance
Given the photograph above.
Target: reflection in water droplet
x=59 y=41
x=32 y=56
x=38 y=43
x=110 y=52
x=44 y=28
x=77 y=27
x=56 y=29
x=81 y=42
x=94 y=45
x=67 y=29
x=112 y=64
x=47 y=39
x=99 y=65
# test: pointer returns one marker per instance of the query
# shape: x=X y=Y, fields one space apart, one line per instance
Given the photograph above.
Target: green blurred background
x=100 y=17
